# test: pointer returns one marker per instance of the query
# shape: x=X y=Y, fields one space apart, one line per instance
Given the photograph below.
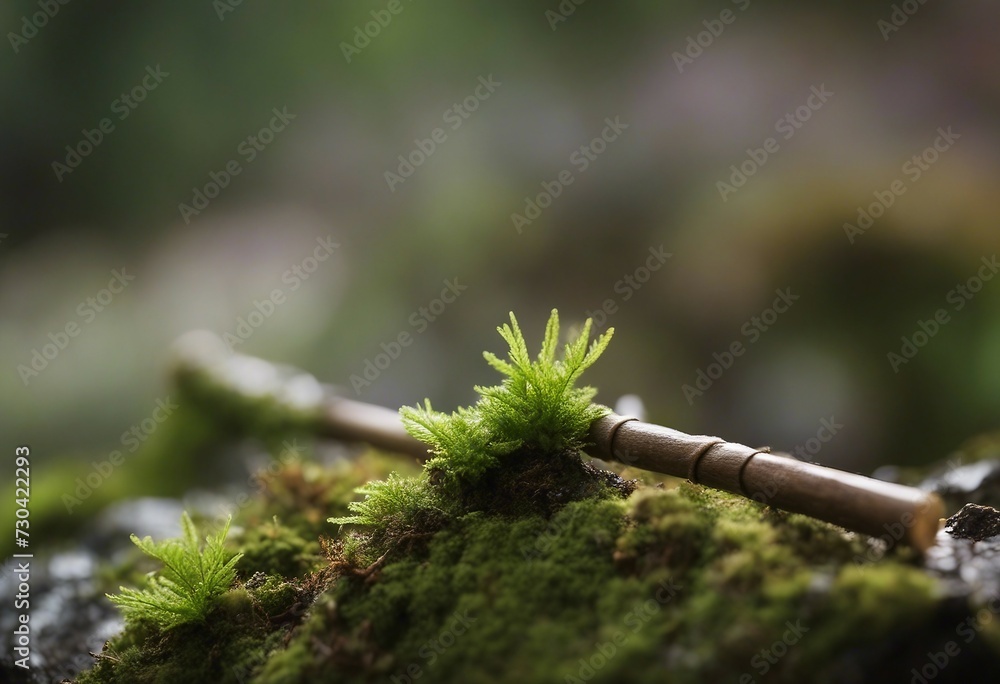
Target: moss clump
x=274 y=549
x=669 y=531
x=515 y=453
x=687 y=584
x=226 y=649
x=454 y=608
x=250 y=623
x=274 y=597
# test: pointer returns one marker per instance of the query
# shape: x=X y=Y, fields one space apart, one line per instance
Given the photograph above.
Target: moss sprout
x=191 y=580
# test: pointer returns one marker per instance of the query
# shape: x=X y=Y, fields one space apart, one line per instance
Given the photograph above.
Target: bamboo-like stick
x=855 y=502
x=213 y=376
x=355 y=421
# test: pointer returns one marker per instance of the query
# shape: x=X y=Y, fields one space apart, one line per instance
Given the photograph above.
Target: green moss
x=251 y=622
x=189 y=582
x=470 y=587
x=275 y=549
x=273 y=596
x=515 y=453
x=541 y=599
x=222 y=651
x=669 y=530
x=310 y=650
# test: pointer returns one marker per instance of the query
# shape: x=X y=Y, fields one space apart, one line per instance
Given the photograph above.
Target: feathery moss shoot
x=514 y=453
x=190 y=581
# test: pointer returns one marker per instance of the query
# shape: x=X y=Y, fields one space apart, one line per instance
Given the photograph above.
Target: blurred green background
x=562 y=70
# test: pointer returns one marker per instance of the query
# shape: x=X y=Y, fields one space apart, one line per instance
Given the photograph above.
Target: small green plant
x=536 y=413
x=191 y=578
x=537 y=406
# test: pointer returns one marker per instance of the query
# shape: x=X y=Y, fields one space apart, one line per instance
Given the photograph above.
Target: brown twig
x=858 y=503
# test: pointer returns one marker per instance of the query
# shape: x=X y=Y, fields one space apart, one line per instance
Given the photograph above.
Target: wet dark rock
x=965 y=566
x=66 y=618
x=974 y=522
x=69 y=615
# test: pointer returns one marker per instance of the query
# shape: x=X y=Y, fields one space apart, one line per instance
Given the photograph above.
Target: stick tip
x=198 y=349
x=926 y=523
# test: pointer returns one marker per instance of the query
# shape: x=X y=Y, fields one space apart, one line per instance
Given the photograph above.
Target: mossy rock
x=511 y=558
x=677 y=584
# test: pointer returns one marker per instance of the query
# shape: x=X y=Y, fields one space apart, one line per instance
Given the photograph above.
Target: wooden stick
x=355 y=421
x=209 y=373
x=855 y=502
x=235 y=384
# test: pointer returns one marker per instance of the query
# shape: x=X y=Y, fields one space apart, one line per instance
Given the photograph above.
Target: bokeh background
x=562 y=70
